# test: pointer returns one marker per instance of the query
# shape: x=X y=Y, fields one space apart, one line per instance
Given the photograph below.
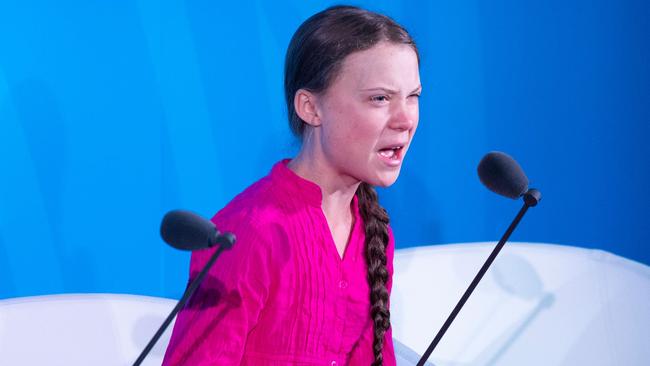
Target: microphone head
x=186 y=230
x=501 y=174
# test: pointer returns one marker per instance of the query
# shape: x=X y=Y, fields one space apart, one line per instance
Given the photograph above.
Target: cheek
x=354 y=127
x=414 y=116
x=414 y=111
x=367 y=130
x=339 y=136
x=351 y=127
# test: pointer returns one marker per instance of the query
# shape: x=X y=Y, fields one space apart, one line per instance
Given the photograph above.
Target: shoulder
x=251 y=201
x=254 y=215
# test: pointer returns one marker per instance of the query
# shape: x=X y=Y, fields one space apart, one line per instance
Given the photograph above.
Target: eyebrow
x=390 y=91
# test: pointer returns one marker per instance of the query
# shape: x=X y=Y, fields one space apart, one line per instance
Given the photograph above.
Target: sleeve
x=213 y=326
x=362 y=353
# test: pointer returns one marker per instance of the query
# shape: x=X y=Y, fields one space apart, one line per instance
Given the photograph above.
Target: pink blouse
x=282 y=295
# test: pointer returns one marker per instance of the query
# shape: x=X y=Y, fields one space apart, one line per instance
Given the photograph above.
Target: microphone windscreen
x=501 y=174
x=186 y=230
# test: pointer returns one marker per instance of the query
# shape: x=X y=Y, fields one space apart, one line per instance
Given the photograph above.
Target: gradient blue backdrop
x=113 y=112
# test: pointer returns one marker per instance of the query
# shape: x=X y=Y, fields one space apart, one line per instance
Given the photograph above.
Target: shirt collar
x=295 y=185
x=302 y=188
x=309 y=192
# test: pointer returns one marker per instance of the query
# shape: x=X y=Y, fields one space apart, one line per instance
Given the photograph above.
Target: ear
x=304 y=102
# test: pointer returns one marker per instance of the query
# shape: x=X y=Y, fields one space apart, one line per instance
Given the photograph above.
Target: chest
x=319 y=301
x=341 y=237
x=321 y=297
x=341 y=229
x=325 y=265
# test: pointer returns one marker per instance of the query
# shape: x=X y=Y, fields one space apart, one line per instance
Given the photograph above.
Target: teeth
x=388 y=153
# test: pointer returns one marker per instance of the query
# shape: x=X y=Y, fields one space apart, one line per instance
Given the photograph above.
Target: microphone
x=501 y=174
x=186 y=230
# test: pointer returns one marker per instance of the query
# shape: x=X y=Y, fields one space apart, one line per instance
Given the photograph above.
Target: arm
x=213 y=327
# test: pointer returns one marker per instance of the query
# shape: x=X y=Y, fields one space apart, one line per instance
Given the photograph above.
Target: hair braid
x=375 y=219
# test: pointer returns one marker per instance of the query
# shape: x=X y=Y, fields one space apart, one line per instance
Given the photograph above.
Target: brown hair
x=314 y=58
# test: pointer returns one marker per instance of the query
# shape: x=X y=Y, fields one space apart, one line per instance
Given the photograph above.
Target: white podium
x=82 y=329
x=538 y=304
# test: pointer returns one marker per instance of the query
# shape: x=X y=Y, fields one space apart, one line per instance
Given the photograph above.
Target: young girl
x=309 y=278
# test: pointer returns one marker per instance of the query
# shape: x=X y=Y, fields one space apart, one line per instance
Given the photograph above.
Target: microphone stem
x=181 y=303
x=473 y=285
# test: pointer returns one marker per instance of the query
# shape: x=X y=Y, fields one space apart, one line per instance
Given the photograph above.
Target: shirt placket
x=341 y=284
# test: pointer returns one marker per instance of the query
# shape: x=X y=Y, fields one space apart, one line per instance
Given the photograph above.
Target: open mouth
x=392 y=154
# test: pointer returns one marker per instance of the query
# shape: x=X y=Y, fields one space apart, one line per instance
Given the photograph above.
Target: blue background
x=113 y=112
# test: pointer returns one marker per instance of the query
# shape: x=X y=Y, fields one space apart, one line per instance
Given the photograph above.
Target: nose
x=404 y=116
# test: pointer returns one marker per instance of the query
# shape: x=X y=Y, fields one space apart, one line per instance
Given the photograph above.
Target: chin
x=384 y=180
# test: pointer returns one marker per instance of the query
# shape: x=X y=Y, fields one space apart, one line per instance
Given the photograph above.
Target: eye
x=380 y=99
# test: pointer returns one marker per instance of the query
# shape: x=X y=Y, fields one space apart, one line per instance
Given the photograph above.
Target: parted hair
x=313 y=60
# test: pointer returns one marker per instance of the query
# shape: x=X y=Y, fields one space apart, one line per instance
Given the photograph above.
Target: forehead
x=385 y=64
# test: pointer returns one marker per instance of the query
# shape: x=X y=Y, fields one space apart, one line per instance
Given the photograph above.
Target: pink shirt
x=282 y=295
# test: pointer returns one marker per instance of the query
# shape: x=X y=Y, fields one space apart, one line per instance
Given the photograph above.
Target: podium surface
x=82 y=329
x=538 y=304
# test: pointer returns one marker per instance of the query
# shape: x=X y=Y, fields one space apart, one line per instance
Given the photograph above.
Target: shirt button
x=334 y=363
x=343 y=284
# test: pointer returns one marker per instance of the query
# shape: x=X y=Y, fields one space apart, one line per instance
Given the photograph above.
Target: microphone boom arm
x=531 y=198
x=225 y=241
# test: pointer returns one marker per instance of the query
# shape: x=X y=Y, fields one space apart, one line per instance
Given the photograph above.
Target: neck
x=338 y=190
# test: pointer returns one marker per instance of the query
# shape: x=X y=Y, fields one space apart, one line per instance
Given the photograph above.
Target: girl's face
x=369 y=114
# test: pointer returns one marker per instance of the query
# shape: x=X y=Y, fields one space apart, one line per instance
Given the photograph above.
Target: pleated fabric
x=282 y=295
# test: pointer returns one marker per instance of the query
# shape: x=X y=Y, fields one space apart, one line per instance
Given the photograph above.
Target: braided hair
x=376 y=227
x=313 y=60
